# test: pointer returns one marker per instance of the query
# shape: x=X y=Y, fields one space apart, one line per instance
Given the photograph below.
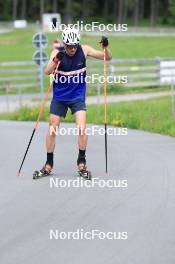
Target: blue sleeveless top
x=69 y=83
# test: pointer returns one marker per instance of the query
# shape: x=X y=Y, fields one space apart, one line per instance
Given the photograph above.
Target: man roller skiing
x=71 y=59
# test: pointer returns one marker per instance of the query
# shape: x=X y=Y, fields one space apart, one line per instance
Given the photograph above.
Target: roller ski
x=82 y=168
x=45 y=171
x=83 y=172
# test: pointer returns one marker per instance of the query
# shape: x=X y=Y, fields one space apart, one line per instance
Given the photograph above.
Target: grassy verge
x=150 y=115
x=17 y=45
x=124 y=90
x=93 y=91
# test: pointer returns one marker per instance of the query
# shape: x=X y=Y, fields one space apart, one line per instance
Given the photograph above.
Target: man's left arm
x=89 y=51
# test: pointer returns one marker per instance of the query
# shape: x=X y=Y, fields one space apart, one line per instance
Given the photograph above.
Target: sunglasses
x=72 y=46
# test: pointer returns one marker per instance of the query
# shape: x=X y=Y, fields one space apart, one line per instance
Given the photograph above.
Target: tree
x=23 y=10
x=115 y=4
x=68 y=13
x=88 y=8
x=142 y=6
x=172 y=7
x=136 y=13
x=154 y=11
x=15 y=3
x=125 y=12
x=55 y=6
x=41 y=9
x=122 y=6
x=105 y=10
x=120 y=11
x=84 y=9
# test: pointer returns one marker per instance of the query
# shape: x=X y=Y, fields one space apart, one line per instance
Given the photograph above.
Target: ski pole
x=105 y=112
x=36 y=124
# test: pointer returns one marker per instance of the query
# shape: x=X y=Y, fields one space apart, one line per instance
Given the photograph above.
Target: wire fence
x=125 y=73
x=147 y=72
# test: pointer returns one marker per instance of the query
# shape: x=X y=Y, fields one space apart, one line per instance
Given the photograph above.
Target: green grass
x=150 y=115
x=93 y=91
x=17 y=45
x=124 y=90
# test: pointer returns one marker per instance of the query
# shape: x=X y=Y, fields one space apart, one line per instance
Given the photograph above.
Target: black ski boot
x=82 y=169
x=45 y=171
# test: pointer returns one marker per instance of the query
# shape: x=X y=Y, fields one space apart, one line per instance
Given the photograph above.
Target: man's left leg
x=80 y=118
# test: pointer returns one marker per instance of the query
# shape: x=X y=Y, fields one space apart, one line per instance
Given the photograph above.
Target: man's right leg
x=51 y=139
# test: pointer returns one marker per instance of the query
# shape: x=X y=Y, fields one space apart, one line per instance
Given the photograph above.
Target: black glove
x=104 y=41
x=60 y=55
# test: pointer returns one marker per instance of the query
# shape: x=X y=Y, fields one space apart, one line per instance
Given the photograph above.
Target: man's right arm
x=51 y=66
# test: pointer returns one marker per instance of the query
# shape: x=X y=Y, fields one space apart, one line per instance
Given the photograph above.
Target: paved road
x=12 y=102
x=30 y=209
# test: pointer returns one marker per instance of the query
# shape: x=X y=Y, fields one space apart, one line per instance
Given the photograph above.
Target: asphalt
x=30 y=209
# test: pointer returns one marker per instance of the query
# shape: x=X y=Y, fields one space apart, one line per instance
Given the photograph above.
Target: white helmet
x=71 y=36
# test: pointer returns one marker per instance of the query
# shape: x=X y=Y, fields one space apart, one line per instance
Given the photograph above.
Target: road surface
x=145 y=209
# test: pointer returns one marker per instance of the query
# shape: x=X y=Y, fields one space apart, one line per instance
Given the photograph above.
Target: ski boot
x=83 y=172
x=45 y=171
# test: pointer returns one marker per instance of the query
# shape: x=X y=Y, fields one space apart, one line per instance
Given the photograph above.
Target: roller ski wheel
x=83 y=172
x=45 y=171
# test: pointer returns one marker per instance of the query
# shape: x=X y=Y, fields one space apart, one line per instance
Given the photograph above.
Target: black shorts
x=60 y=108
